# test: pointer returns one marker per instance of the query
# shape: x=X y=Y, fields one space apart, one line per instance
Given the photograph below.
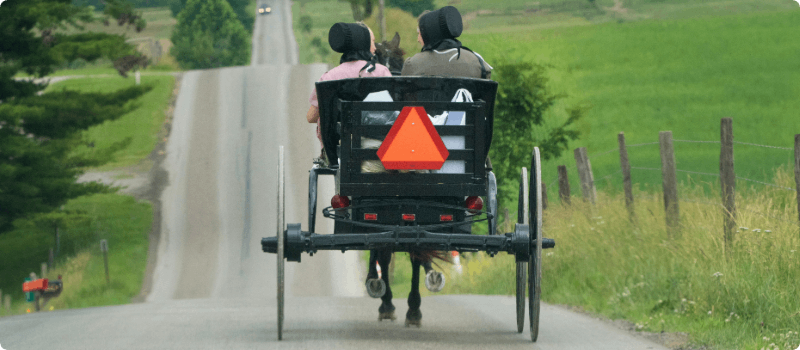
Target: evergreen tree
x=38 y=132
x=208 y=35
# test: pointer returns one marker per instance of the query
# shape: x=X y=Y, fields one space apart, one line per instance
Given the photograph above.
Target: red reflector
x=474 y=203
x=409 y=217
x=445 y=217
x=339 y=201
x=371 y=217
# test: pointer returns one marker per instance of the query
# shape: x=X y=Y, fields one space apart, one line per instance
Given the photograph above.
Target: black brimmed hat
x=444 y=23
x=345 y=37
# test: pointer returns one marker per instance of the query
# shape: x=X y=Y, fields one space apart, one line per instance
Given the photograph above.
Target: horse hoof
x=434 y=281
x=386 y=316
x=376 y=287
x=386 y=312
x=414 y=318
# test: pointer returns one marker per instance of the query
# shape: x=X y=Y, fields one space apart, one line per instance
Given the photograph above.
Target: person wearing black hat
x=356 y=43
x=442 y=54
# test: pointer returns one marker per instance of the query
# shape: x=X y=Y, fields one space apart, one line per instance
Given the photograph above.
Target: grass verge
x=684 y=281
x=121 y=220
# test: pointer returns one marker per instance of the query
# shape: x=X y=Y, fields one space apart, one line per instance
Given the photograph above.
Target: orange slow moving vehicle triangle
x=413 y=143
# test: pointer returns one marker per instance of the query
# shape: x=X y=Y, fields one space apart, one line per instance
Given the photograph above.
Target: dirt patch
x=472 y=15
x=618 y=8
x=674 y=340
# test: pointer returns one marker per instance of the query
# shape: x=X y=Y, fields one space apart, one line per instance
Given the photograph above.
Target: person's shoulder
x=382 y=71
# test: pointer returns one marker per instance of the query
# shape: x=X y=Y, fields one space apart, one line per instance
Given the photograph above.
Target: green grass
x=141 y=125
x=323 y=14
x=662 y=280
x=121 y=220
x=678 y=75
x=668 y=281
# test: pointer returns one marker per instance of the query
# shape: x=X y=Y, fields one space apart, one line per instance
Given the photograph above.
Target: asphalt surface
x=213 y=288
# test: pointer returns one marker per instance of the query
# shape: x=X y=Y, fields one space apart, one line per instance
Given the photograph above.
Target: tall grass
x=680 y=281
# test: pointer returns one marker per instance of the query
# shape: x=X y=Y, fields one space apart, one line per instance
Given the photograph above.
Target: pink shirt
x=344 y=71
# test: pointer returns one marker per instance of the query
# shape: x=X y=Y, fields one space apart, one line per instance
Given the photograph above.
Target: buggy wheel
x=535 y=264
x=522 y=218
x=281 y=232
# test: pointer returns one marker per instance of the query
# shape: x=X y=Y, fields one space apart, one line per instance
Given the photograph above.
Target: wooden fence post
x=563 y=185
x=727 y=180
x=669 y=181
x=51 y=258
x=544 y=196
x=626 y=175
x=104 y=249
x=797 y=171
x=7 y=303
x=585 y=174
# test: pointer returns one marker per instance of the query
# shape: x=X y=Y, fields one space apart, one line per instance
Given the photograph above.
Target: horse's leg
x=414 y=315
x=375 y=287
x=386 y=311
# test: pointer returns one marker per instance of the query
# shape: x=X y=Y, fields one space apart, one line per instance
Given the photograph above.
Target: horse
x=391 y=55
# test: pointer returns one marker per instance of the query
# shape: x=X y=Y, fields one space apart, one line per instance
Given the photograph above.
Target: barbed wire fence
x=726 y=176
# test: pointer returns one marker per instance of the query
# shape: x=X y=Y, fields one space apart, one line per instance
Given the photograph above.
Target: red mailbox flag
x=413 y=143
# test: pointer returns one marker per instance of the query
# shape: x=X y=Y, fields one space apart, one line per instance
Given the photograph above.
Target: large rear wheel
x=522 y=218
x=281 y=232
x=535 y=264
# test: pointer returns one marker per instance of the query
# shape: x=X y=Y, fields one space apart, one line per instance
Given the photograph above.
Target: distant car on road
x=264 y=9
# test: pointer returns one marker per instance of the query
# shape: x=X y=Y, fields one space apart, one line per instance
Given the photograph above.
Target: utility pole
x=382 y=18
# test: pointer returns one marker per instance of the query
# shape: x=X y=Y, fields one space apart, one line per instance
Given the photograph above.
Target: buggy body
x=411 y=209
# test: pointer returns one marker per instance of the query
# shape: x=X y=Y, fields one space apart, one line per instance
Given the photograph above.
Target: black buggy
x=414 y=210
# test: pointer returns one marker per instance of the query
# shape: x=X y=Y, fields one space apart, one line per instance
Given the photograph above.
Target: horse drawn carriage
x=427 y=192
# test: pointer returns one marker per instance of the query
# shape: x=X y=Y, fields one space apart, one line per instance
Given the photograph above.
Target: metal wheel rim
x=281 y=239
x=492 y=199
x=522 y=218
x=521 y=284
x=535 y=264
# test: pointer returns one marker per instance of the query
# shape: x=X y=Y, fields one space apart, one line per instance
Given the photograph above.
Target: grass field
x=141 y=125
x=679 y=75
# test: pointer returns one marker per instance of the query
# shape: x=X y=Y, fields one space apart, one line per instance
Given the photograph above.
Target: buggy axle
x=402 y=238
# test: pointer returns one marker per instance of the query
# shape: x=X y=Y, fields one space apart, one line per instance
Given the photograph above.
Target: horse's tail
x=430 y=256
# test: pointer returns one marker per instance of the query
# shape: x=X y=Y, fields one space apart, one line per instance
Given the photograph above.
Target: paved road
x=213 y=288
